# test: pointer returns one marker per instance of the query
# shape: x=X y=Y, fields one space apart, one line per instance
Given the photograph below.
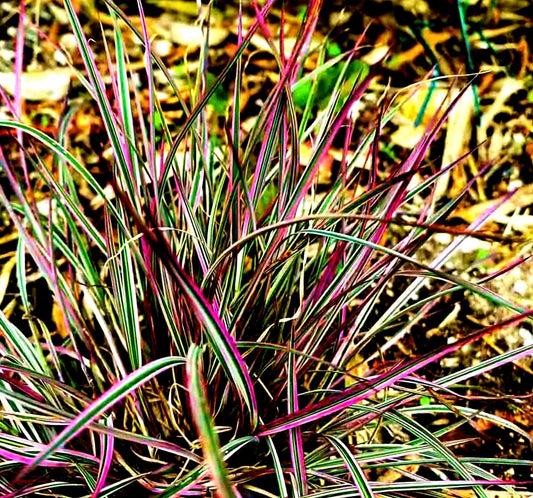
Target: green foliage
x=335 y=74
x=219 y=100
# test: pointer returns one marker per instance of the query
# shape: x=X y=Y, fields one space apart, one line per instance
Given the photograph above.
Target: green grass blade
x=205 y=424
x=354 y=468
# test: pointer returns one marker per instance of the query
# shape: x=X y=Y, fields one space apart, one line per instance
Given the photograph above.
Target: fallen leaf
x=408 y=135
x=522 y=198
x=456 y=143
x=5 y=275
x=189 y=34
x=51 y=84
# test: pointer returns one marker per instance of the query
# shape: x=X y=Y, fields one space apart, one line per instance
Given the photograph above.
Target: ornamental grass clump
x=223 y=325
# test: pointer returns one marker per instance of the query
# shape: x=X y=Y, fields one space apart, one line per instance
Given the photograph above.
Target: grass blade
x=205 y=424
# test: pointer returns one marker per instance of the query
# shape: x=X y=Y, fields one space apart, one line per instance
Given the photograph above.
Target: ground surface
x=405 y=41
